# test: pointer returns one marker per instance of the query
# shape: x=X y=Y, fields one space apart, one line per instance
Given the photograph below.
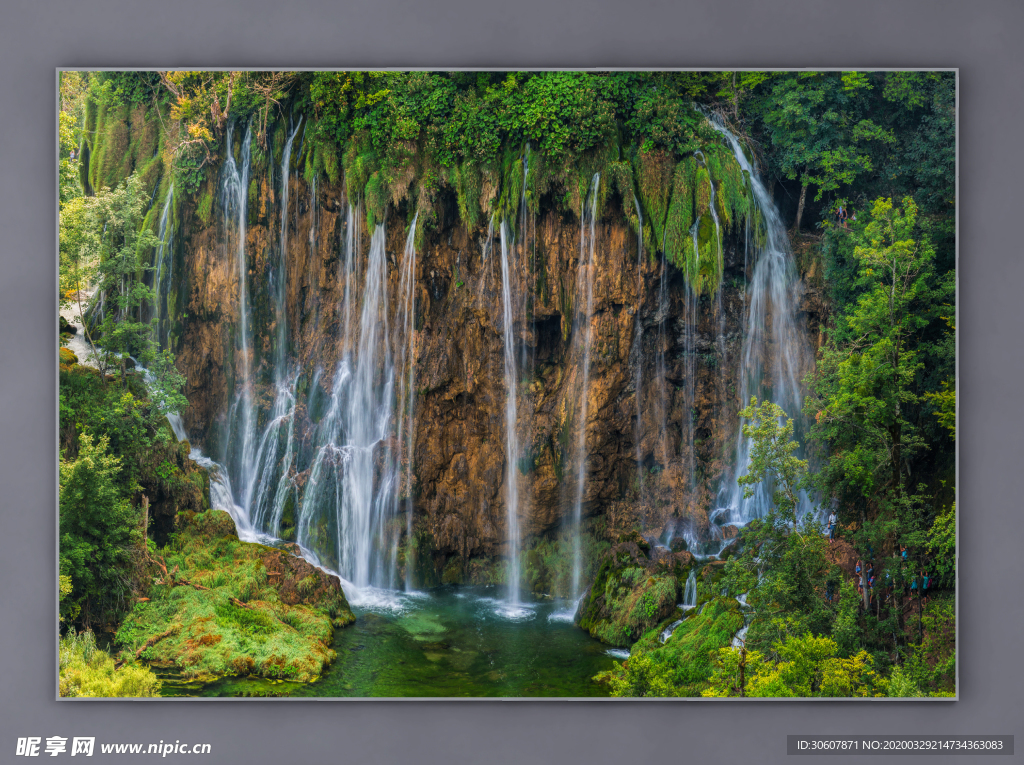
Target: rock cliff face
x=459 y=462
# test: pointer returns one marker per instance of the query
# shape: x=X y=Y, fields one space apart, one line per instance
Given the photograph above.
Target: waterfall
x=659 y=363
x=637 y=351
x=406 y=424
x=265 y=497
x=584 y=323
x=279 y=277
x=240 y=446
x=690 y=322
x=343 y=514
x=529 y=265
x=352 y=493
x=348 y=277
x=774 y=349
x=690 y=592
x=313 y=218
x=508 y=294
x=164 y=254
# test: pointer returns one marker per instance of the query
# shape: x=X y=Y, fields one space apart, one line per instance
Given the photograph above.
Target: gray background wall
x=982 y=38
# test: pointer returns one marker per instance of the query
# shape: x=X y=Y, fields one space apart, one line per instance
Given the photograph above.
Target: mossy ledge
x=636 y=588
x=227 y=607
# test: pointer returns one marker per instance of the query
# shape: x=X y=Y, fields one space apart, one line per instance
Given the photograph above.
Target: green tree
x=640 y=676
x=942 y=547
x=806 y=666
x=866 y=388
x=98 y=528
x=783 y=563
x=819 y=130
x=110 y=242
x=773 y=459
x=70 y=187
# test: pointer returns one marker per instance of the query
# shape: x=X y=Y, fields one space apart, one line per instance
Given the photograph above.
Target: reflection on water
x=444 y=642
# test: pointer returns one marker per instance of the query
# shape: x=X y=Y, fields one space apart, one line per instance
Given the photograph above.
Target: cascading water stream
x=690 y=591
x=636 y=352
x=508 y=295
x=266 y=497
x=349 y=502
x=584 y=326
x=279 y=277
x=240 y=449
x=348 y=278
x=774 y=350
x=164 y=257
x=406 y=424
x=659 y=363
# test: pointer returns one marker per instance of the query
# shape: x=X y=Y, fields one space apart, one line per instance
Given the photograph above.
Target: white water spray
x=584 y=325
x=775 y=351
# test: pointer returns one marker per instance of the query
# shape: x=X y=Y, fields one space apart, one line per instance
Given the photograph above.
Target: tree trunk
x=800 y=209
x=743 y=666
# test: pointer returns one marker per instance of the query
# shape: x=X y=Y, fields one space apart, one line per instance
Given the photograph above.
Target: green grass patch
x=239 y=624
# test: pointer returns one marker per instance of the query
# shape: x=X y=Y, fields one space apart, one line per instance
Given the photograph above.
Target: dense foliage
x=87 y=670
x=879 y=446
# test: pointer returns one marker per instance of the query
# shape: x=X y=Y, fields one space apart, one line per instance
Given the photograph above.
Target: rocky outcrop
x=226 y=607
x=297 y=581
x=635 y=589
x=459 y=460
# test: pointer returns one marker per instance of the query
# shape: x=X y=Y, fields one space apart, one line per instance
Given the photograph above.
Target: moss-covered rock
x=227 y=607
x=631 y=594
x=684 y=660
x=67 y=358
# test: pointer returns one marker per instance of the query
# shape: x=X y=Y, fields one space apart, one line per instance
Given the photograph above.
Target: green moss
x=237 y=624
x=654 y=171
x=453 y=571
x=205 y=207
x=467 y=181
x=626 y=600
x=511 y=188
x=678 y=239
x=278 y=141
x=686 y=657
x=375 y=198
x=88 y=671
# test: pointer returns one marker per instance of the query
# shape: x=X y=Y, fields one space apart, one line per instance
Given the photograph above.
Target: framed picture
x=489 y=384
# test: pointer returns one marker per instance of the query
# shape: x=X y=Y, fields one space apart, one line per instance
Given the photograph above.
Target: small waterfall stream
x=164 y=261
x=508 y=301
x=265 y=497
x=348 y=502
x=405 y=343
x=583 y=326
x=636 y=355
x=240 y=447
x=774 y=350
x=690 y=591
